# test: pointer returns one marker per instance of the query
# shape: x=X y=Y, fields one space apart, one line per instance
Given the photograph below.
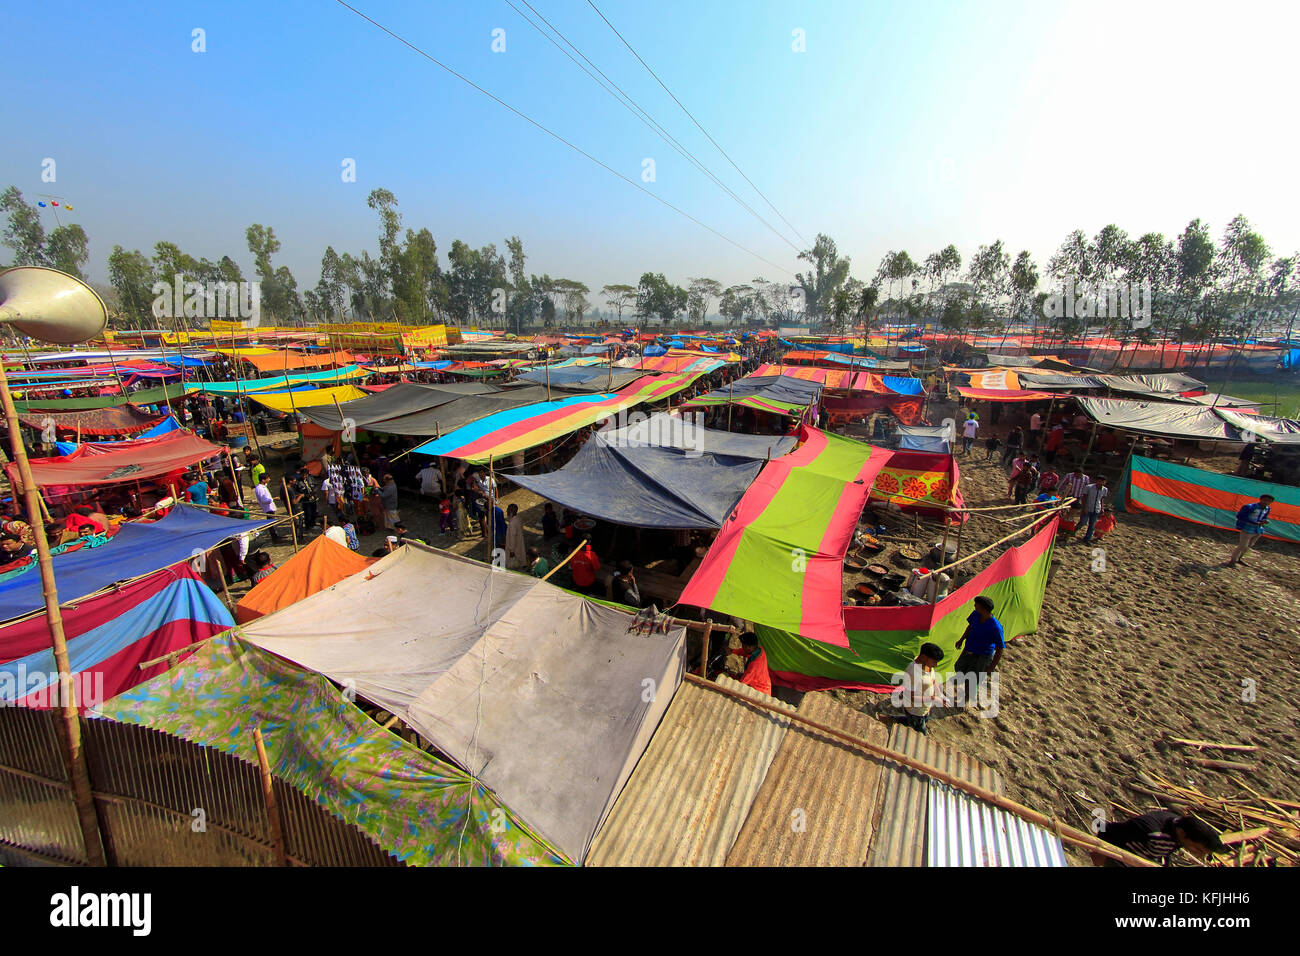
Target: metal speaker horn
x=50 y=305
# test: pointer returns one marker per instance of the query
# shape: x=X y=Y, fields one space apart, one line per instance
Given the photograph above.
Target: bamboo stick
x=1014 y=534
x=1067 y=833
x=566 y=560
x=288 y=506
x=1200 y=744
x=268 y=795
x=704 y=654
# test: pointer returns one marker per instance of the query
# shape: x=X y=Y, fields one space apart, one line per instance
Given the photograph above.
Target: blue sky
x=902 y=125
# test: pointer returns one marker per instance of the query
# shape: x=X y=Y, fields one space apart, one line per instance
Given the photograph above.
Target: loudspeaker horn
x=50 y=305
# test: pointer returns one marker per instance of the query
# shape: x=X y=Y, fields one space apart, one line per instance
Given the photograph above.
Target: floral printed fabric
x=422 y=810
x=910 y=487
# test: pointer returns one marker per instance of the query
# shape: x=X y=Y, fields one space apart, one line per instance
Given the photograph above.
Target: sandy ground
x=1160 y=642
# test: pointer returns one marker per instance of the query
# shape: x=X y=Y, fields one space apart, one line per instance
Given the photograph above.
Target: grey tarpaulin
x=542 y=695
x=1284 y=431
x=1154 y=385
x=685 y=431
x=402 y=399
x=1166 y=419
x=647 y=486
x=579 y=378
x=924 y=438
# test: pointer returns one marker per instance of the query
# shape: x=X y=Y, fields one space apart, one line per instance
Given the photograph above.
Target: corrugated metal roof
x=900 y=830
x=964 y=831
x=817 y=804
x=693 y=787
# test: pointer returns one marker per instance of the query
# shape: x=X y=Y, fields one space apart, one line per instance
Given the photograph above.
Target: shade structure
x=830 y=377
x=924 y=438
x=507 y=432
x=319 y=565
x=401 y=398
x=106 y=463
x=578 y=379
x=1283 y=431
x=1165 y=419
x=646 y=486
x=279 y=360
x=920 y=481
x=167 y=425
x=1207 y=497
x=127 y=420
x=882 y=641
x=777 y=559
x=286 y=402
x=239 y=387
x=108 y=638
x=779 y=394
x=138 y=548
x=686 y=431
x=1153 y=385
x=537 y=692
x=1004 y=394
x=420 y=808
x=145 y=396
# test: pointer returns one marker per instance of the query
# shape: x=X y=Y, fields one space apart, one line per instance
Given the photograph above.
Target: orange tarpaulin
x=320 y=565
x=279 y=361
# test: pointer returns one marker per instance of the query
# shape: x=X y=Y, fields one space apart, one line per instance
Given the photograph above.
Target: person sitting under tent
x=538 y=566
x=624 y=587
x=260 y=562
x=756 y=673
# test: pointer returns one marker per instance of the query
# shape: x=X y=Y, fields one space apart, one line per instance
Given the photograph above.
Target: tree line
x=1200 y=289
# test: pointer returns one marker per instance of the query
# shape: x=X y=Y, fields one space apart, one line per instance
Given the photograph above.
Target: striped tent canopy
x=777 y=560
x=335 y=375
x=1207 y=497
x=518 y=429
x=145 y=396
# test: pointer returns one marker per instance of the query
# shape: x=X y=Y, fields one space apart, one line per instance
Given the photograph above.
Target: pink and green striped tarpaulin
x=778 y=557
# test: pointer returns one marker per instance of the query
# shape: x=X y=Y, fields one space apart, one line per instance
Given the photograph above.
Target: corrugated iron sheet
x=817 y=804
x=964 y=831
x=693 y=787
x=900 y=830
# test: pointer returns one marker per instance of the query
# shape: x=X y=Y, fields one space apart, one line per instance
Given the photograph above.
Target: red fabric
x=756 y=675
x=584 y=566
x=110 y=462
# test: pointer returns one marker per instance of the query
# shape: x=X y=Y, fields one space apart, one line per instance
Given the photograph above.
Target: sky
x=884 y=125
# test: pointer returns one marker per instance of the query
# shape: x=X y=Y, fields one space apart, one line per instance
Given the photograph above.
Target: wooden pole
x=1014 y=534
x=704 y=652
x=70 y=735
x=234 y=474
x=288 y=506
x=1067 y=834
x=268 y=795
x=225 y=588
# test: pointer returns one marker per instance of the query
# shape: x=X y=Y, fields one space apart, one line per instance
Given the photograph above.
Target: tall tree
x=829 y=272
x=65 y=248
x=132 y=275
x=699 y=296
x=619 y=297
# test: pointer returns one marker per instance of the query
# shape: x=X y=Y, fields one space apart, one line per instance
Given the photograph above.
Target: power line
x=694 y=120
x=577 y=149
x=627 y=102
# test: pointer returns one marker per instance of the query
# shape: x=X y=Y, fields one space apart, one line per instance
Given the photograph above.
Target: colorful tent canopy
x=518 y=429
x=104 y=463
x=423 y=810
x=590 y=379
x=535 y=691
x=319 y=565
x=1207 y=497
x=108 y=637
x=920 y=481
x=882 y=641
x=128 y=420
x=286 y=402
x=336 y=375
x=647 y=486
x=1003 y=394
x=777 y=559
x=168 y=424
x=767 y=393
x=278 y=361
x=397 y=400
x=137 y=549
x=145 y=396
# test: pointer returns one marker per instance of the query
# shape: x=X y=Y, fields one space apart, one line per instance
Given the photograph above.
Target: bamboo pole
x=288 y=506
x=1067 y=833
x=268 y=795
x=1014 y=534
x=704 y=652
x=566 y=560
x=70 y=735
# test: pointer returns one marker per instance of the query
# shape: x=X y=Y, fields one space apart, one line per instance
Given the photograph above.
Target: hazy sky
x=900 y=125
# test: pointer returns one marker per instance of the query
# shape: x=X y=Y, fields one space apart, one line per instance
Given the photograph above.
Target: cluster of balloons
x=53 y=202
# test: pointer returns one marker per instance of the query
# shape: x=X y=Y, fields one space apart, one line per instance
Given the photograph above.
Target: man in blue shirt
x=983 y=640
x=1251 y=520
x=198 y=491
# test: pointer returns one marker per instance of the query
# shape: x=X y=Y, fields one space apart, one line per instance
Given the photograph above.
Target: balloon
x=53 y=203
x=41 y=204
x=67 y=207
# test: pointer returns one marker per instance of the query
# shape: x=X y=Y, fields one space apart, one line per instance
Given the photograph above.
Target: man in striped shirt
x=1074 y=485
x=1158 y=836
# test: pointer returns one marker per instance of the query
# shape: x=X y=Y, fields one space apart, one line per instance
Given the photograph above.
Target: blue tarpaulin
x=903 y=386
x=655 y=350
x=137 y=549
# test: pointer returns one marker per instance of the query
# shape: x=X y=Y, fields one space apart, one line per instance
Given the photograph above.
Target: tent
x=275 y=361
x=106 y=463
x=138 y=548
x=537 y=692
x=647 y=486
x=920 y=481
x=1284 y=431
x=577 y=379
x=1153 y=385
x=336 y=376
x=108 y=637
x=1165 y=419
x=127 y=420
x=145 y=396
x=286 y=402
x=418 y=807
x=1207 y=497
x=168 y=424
x=924 y=438
x=806 y=505
x=402 y=398
x=765 y=393
x=319 y=565
x=519 y=429
x=881 y=641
